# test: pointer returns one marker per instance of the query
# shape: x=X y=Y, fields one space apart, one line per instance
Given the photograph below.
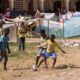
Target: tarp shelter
x=12 y=34
x=70 y=27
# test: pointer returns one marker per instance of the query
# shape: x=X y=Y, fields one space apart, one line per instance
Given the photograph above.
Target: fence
x=70 y=27
x=51 y=27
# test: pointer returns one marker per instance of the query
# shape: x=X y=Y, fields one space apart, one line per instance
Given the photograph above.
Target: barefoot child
x=4 y=47
x=51 y=49
x=21 y=37
x=42 y=49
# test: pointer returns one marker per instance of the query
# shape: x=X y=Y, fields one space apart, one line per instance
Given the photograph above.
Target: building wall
x=4 y=5
x=49 y=5
x=72 y=4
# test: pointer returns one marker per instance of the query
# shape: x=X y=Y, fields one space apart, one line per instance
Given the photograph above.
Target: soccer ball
x=34 y=67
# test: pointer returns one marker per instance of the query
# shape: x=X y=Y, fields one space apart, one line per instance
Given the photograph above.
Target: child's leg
x=54 y=57
x=5 y=59
x=1 y=56
x=37 y=60
x=54 y=62
x=38 y=56
x=40 y=63
x=44 y=59
x=19 y=44
x=23 y=43
x=5 y=64
x=23 y=46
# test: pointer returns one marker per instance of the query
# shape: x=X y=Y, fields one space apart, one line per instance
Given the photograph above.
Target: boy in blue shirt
x=4 y=47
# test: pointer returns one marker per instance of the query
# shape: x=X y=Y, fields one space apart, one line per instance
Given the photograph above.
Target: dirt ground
x=66 y=68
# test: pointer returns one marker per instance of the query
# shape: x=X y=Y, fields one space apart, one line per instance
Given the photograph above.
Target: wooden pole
x=48 y=27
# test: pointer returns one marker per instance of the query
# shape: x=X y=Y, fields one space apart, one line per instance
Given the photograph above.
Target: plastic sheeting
x=72 y=27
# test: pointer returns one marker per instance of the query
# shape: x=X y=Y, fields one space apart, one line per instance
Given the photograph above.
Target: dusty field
x=19 y=65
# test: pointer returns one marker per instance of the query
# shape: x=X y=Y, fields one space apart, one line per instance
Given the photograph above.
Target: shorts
x=53 y=55
x=42 y=52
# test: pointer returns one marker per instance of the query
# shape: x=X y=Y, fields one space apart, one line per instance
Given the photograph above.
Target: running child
x=42 y=49
x=51 y=50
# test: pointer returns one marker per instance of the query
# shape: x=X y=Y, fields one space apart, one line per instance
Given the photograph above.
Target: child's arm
x=8 y=48
x=59 y=47
x=38 y=34
x=44 y=44
x=8 y=45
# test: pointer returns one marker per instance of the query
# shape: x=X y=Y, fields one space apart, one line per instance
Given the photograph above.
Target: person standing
x=4 y=47
x=21 y=37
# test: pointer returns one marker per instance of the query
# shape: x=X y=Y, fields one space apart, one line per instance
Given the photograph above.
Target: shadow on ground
x=67 y=66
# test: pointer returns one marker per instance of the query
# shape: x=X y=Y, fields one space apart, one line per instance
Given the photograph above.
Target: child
x=4 y=47
x=43 y=49
x=50 y=51
x=21 y=37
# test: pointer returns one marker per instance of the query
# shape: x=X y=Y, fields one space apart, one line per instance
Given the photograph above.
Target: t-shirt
x=21 y=35
x=4 y=42
x=51 y=46
x=43 y=40
x=21 y=32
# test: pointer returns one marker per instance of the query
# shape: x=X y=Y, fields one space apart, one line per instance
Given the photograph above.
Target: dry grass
x=66 y=68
